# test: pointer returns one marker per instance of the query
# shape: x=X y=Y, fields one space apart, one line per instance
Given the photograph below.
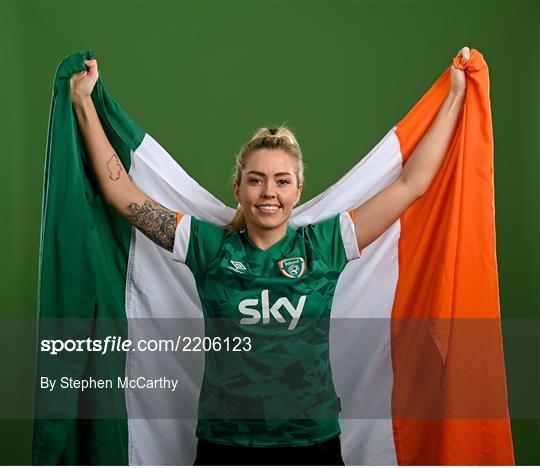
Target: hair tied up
x=283 y=139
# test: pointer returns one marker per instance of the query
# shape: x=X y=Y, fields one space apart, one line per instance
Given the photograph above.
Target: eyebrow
x=276 y=174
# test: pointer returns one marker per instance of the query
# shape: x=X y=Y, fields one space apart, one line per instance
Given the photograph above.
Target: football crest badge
x=292 y=267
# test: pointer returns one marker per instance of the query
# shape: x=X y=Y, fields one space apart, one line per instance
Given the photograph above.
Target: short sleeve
x=334 y=240
x=348 y=234
x=196 y=242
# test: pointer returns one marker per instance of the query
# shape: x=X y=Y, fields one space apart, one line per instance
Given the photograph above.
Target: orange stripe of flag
x=449 y=398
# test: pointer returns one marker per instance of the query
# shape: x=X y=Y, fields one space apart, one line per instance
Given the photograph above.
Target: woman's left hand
x=457 y=75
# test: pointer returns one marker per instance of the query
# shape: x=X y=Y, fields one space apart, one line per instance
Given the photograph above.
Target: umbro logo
x=237 y=266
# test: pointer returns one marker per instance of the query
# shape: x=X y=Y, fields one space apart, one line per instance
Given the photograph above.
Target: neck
x=266 y=238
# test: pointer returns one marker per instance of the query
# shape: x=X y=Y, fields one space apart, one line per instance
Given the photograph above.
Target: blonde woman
x=275 y=404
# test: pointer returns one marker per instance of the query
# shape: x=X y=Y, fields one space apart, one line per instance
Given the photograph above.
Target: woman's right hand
x=83 y=82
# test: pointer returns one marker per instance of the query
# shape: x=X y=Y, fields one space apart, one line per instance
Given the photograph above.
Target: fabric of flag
x=415 y=336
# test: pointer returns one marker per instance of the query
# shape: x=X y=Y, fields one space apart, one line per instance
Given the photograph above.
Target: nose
x=269 y=190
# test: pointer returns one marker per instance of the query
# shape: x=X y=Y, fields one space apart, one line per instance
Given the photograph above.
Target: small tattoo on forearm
x=114 y=166
x=155 y=221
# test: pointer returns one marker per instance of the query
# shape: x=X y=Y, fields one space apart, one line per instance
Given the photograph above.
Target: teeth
x=268 y=208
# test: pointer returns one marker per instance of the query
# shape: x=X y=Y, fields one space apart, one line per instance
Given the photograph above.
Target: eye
x=283 y=181
x=255 y=180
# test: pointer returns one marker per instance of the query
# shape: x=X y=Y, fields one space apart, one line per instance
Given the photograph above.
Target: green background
x=201 y=77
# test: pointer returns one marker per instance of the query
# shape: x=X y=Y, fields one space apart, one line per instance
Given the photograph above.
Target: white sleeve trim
x=348 y=234
x=181 y=239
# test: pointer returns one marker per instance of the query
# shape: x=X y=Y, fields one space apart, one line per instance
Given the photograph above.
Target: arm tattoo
x=155 y=221
x=114 y=166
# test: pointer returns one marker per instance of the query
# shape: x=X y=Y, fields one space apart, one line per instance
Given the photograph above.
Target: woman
x=275 y=404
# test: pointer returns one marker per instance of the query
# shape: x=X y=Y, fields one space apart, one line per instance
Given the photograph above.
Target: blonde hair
x=270 y=138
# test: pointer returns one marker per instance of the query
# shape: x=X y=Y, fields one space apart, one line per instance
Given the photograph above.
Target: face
x=268 y=189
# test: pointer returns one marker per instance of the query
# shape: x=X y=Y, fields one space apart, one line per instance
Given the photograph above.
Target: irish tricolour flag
x=415 y=340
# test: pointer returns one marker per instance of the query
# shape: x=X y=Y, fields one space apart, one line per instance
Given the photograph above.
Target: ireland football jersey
x=267 y=378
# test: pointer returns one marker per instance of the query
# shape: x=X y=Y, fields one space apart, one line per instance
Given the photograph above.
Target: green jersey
x=270 y=381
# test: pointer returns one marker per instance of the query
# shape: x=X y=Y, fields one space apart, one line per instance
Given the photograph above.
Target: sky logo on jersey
x=237 y=266
x=247 y=307
x=292 y=267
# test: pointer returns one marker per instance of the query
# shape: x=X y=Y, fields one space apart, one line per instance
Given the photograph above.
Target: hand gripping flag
x=415 y=338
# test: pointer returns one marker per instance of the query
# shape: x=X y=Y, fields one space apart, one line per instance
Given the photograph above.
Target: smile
x=268 y=208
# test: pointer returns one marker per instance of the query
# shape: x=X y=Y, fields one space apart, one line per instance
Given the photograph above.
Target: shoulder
x=333 y=237
x=196 y=240
x=327 y=227
x=205 y=227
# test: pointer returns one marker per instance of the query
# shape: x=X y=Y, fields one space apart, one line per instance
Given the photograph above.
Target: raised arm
x=152 y=219
x=377 y=214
